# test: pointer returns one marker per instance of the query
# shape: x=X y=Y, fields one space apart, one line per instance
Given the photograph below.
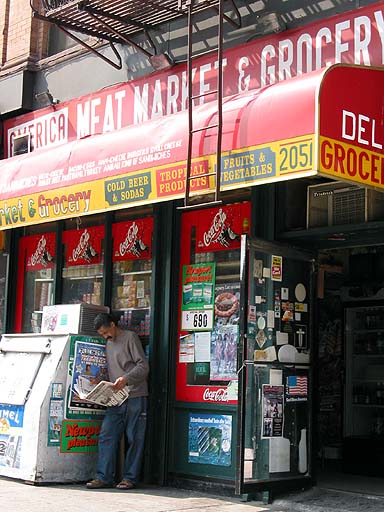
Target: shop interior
x=344 y=224
x=351 y=360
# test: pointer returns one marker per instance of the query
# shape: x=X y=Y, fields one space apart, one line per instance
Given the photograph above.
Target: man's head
x=106 y=326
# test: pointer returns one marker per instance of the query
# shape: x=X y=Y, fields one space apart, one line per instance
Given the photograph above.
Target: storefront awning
x=327 y=122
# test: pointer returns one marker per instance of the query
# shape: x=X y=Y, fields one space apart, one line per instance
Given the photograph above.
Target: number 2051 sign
x=200 y=320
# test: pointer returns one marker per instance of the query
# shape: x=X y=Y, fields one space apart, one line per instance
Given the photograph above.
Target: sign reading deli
x=351 y=129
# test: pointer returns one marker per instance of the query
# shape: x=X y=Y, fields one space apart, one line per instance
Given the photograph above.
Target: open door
x=275 y=375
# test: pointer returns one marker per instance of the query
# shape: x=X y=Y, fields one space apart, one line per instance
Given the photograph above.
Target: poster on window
x=210 y=439
x=224 y=341
x=227 y=303
x=273 y=411
x=198 y=296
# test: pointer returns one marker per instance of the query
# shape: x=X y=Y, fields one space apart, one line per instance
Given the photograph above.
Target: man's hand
x=119 y=383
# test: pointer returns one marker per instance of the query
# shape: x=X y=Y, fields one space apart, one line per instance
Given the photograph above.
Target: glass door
x=275 y=376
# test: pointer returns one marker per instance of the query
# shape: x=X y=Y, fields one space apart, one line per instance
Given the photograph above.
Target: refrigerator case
x=34 y=391
x=364 y=390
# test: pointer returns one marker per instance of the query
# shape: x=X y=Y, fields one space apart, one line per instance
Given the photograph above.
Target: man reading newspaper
x=128 y=370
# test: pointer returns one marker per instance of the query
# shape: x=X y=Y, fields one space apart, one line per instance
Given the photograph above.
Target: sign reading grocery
x=355 y=37
x=351 y=130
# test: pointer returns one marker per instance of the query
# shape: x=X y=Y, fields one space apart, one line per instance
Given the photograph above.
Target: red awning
x=268 y=135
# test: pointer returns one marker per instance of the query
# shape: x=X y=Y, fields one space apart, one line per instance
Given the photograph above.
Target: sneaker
x=97 y=484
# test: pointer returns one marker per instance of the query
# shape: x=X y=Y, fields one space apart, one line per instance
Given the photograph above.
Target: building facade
x=248 y=303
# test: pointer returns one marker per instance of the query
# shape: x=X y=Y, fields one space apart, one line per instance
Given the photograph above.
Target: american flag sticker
x=297 y=388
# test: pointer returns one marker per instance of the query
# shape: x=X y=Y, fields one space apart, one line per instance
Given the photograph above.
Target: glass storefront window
x=83 y=265
x=131 y=277
x=35 y=280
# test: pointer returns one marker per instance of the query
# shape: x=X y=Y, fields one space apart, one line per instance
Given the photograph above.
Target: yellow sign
x=241 y=168
x=350 y=162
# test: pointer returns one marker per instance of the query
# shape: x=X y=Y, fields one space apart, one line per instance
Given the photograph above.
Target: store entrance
x=350 y=323
x=275 y=384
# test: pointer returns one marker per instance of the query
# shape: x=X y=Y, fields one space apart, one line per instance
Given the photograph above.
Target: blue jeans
x=131 y=418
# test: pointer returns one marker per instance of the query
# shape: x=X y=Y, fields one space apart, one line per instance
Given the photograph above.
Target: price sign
x=199 y=320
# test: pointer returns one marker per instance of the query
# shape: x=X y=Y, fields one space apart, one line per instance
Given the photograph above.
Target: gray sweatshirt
x=126 y=358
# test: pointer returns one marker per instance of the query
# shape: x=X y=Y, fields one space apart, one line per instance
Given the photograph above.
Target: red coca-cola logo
x=219 y=395
x=216 y=228
x=40 y=249
x=82 y=246
x=128 y=244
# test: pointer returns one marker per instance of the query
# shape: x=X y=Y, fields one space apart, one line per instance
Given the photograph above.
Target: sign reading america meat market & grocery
x=326 y=122
x=356 y=36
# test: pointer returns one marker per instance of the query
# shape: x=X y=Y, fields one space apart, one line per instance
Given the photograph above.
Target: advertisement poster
x=55 y=420
x=224 y=343
x=210 y=439
x=86 y=361
x=219 y=229
x=11 y=428
x=187 y=349
x=132 y=240
x=40 y=252
x=80 y=436
x=198 y=296
x=227 y=303
x=83 y=246
x=90 y=364
x=277 y=268
x=273 y=400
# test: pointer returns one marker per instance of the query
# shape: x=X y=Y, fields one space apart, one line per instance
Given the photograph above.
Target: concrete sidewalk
x=328 y=500
x=16 y=496
x=19 y=497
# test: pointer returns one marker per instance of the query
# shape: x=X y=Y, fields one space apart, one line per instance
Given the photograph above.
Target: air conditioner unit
x=21 y=144
x=332 y=204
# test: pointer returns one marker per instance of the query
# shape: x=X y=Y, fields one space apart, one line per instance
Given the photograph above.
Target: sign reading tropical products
x=198 y=297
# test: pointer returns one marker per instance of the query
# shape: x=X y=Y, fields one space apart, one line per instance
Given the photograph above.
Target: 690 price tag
x=200 y=320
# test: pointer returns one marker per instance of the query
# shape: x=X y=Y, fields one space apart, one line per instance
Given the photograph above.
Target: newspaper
x=102 y=393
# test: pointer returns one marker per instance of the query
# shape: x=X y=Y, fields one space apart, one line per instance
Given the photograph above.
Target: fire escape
x=119 y=21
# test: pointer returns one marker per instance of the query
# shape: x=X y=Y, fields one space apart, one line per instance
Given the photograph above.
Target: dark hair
x=103 y=320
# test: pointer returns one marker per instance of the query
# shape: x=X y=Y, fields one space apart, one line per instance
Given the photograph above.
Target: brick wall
x=23 y=39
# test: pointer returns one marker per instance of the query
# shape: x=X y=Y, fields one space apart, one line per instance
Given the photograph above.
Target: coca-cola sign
x=83 y=247
x=41 y=249
x=221 y=228
x=132 y=243
x=132 y=240
x=217 y=395
x=41 y=254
